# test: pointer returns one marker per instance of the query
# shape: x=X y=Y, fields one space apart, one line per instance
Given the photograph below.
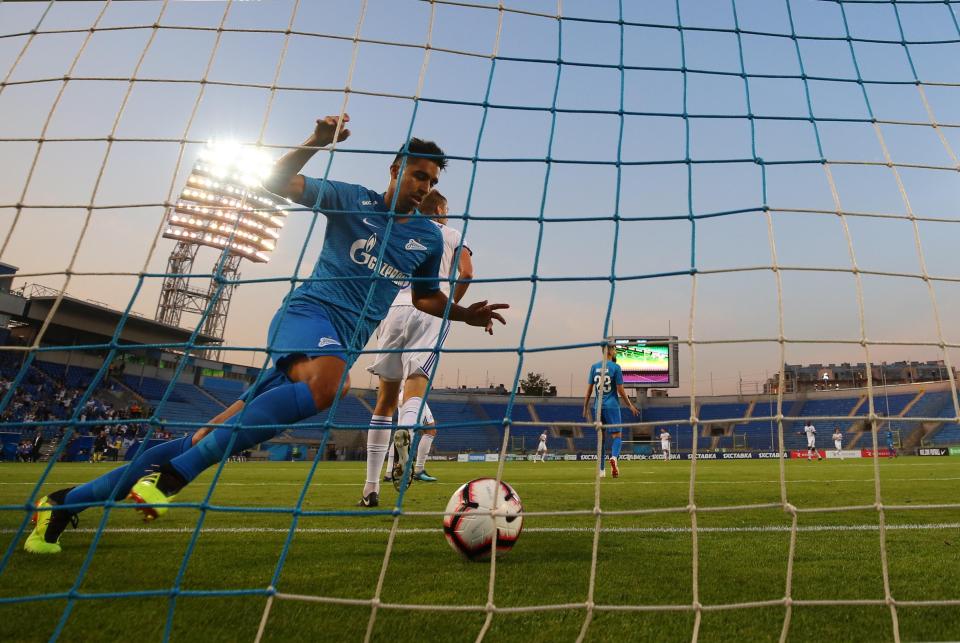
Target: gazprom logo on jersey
x=361 y=252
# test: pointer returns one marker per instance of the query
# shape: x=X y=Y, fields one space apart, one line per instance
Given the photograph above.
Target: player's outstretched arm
x=464 y=275
x=626 y=399
x=286 y=180
x=586 y=403
x=480 y=314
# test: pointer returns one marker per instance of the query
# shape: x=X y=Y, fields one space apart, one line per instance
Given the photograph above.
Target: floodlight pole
x=223 y=206
x=177 y=297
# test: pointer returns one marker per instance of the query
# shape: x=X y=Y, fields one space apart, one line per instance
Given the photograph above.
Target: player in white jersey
x=414 y=341
x=542 y=447
x=838 y=442
x=811 y=433
x=665 y=444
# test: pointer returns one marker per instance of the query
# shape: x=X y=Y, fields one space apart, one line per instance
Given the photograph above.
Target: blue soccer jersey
x=350 y=263
x=606 y=384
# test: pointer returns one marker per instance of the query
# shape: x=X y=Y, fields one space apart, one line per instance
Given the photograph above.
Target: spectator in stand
x=23 y=451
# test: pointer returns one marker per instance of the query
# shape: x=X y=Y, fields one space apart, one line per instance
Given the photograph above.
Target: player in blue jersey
x=375 y=244
x=891 y=447
x=606 y=380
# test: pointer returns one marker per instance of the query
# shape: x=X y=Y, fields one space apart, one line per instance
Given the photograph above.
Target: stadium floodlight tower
x=222 y=206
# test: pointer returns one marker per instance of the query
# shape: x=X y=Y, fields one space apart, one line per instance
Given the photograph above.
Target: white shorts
x=811 y=444
x=541 y=447
x=836 y=443
x=665 y=448
x=407 y=328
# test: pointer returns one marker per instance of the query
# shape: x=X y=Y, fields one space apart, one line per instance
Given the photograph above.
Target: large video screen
x=649 y=362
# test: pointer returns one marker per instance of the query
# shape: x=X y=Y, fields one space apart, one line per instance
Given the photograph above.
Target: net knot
x=790 y=508
x=490 y=607
x=271 y=590
x=691 y=508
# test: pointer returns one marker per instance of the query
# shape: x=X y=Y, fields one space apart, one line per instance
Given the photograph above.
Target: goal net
x=774 y=181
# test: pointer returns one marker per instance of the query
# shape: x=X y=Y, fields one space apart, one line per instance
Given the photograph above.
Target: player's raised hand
x=483 y=314
x=327 y=127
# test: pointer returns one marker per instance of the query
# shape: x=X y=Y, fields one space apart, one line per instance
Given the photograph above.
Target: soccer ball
x=470 y=529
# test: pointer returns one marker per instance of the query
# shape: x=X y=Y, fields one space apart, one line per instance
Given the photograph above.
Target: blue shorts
x=311 y=329
x=611 y=415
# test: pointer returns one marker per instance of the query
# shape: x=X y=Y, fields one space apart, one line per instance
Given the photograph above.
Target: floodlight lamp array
x=224 y=205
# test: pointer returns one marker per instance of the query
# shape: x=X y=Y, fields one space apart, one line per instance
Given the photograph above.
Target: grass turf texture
x=642 y=560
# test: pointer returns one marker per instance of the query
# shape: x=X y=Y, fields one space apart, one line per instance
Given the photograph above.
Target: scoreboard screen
x=648 y=362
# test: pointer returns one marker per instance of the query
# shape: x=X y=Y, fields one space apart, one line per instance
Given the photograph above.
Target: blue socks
x=284 y=405
x=603 y=449
x=99 y=489
x=615 y=448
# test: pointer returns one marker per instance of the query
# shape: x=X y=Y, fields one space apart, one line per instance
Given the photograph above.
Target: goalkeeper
x=315 y=335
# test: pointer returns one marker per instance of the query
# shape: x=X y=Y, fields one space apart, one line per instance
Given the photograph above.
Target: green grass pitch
x=642 y=560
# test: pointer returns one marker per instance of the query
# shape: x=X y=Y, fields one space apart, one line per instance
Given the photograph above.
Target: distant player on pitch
x=606 y=379
x=891 y=449
x=811 y=433
x=541 y=448
x=838 y=442
x=665 y=444
x=414 y=339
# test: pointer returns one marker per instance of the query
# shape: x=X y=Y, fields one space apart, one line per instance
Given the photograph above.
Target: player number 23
x=606 y=382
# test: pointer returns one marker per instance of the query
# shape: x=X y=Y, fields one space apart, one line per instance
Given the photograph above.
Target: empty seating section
x=949 y=434
x=454 y=439
x=349 y=412
x=185 y=403
x=520 y=413
x=722 y=411
x=225 y=390
x=73 y=376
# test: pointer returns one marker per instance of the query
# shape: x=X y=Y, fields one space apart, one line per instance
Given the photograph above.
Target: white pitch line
x=620 y=481
x=549 y=530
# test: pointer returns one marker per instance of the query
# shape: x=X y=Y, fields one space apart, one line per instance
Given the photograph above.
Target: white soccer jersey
x=837 y=437
x=406 y=327
x=811 y=432
x=452 y=239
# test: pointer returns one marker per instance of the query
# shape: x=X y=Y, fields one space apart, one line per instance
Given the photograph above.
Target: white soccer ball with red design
x=469 y=525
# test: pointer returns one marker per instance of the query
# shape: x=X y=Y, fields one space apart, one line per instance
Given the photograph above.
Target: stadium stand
x=225 y=390
x=48 y=390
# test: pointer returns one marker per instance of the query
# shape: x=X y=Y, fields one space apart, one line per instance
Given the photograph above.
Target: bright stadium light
x=223 y=199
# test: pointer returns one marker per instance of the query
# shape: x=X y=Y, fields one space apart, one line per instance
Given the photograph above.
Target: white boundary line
x=540 y=483
x=547 y=530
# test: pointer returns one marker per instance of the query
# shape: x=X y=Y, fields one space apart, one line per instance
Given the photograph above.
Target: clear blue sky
x=816 y=305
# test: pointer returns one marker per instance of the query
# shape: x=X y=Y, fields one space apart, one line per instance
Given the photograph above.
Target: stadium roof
x=85 y=322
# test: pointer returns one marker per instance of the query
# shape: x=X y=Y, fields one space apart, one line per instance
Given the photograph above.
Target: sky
x=500 y=197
